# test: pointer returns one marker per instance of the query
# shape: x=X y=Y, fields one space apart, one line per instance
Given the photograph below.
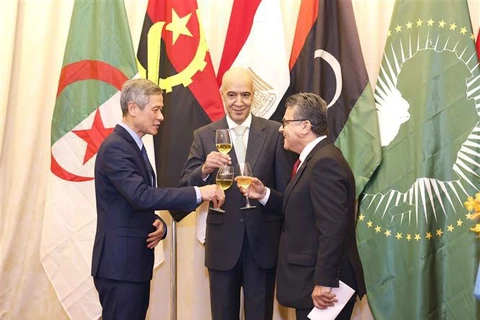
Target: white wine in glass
x=224 y=180
x=244 y=179
x=223 y=141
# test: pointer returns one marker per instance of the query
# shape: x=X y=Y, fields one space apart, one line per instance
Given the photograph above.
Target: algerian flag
x=98 y=59
x=419 y=257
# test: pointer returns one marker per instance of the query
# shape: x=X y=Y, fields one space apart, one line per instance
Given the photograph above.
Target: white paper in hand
x=344 y=293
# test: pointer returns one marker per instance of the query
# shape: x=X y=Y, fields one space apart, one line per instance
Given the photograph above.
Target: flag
x=420 y=259
x=98 y=58
x=327 y=59
x=173 y=52
x=255 y=41
x=173 y=48
x=478 y=42
x=477 y=282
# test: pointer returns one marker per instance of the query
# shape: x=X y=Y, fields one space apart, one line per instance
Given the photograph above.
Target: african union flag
x=419 y=256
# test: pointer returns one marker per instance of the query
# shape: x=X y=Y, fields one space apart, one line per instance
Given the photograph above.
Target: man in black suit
x=127 y=227
x=318 y=244
x=241 y=246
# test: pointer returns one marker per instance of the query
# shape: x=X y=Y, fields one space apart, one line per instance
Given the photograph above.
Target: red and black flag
x=173 y=53
x=327 y=59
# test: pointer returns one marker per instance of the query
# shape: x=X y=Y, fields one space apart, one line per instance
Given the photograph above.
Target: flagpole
x=173 y=273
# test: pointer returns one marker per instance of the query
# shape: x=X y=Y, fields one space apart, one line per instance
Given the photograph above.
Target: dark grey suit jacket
x=225 y=231
x=318 y=244
x=125 y=209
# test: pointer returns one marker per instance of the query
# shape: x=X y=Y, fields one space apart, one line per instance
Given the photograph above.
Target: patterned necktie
x=239 y=143
x=148 y=165
x=295 y=167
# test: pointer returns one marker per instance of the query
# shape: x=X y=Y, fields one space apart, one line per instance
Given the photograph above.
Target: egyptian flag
x=255 y=41
x=173 y=53
x=327 y=59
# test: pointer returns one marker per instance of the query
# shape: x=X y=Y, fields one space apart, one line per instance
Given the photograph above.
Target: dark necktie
x=295 y=167
x=148 y=165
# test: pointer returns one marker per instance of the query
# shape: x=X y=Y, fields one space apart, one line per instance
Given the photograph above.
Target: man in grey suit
x=127 y=227
x=318 y=246
x=241 y=245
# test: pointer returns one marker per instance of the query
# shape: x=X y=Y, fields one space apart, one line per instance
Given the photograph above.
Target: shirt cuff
x=264 y=200
x=198 y=194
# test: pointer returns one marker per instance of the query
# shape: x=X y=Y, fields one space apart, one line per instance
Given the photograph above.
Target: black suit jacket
x=318 y=244
x=125 y=209
x=225 y=231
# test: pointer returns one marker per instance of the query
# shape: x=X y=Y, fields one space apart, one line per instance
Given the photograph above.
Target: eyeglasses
x=285 y=122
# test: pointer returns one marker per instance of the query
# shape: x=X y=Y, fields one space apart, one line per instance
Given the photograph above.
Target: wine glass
x=224 y=181
x=244 y=179
x=223 y=141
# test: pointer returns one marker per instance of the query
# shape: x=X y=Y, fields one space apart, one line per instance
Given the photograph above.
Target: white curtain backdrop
x=33 y=36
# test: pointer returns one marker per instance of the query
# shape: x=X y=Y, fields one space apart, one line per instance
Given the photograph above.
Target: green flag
x=98 y=58
x=419 y=256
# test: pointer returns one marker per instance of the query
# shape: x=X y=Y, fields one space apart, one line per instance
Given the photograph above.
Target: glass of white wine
x=244 y=179
x=223 y=141
x=224 y=181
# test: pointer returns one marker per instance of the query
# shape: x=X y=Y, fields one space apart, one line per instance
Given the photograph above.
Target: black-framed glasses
x=285 y=122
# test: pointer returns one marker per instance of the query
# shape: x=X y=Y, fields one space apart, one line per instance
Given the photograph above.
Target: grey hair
x=138 y=91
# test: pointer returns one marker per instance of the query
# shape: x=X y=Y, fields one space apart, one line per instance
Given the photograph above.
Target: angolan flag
x=327 y=59
x=173 y=52
x=98 y=58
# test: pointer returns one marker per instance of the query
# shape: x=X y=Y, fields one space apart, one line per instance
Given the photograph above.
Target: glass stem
x=246 y=197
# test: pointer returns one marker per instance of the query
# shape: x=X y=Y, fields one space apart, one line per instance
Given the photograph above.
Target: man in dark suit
x=241 y=246
x=318 y=244
x=127 y=227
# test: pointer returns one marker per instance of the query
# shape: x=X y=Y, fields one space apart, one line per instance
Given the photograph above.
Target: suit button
x=242 y=220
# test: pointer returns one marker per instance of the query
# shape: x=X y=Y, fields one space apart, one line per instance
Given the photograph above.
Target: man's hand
x=256 y=190
x=213 y=193
x=154 y=238
x=214 y=161
x=323 y=297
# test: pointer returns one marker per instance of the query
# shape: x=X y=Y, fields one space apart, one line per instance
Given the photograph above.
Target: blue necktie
x=147 y=164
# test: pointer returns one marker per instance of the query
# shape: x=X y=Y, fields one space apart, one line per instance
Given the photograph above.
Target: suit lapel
x=125 y=134
x=256 y=139
x=301 y=170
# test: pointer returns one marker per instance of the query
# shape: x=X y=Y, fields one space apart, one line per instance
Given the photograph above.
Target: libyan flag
x=327 y=59
x=98 y=59
x=173 y=53
x=420 y=259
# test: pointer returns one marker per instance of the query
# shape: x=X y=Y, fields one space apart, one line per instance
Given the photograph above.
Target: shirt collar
x=309 y=147
x=247 y=123
x=133 y=134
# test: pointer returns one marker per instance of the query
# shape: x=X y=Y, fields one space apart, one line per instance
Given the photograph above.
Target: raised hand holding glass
x=244 y=179
x=223 y=142
x=224 y=180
